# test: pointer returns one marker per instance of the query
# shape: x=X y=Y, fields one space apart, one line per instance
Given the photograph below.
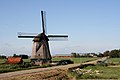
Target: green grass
x=28 y=65
x=2 y=61
x=26 y=60
x=112 y=60
x=105 y=72
x=75 y=60
x=13 y=67
x=16 y=67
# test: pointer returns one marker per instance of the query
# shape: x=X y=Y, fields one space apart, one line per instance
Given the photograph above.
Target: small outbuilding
x=14 y=60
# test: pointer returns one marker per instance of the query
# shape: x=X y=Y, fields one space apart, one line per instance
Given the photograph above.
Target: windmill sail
x=43 y=15
x=58 y=37
x=26 y=35
x=50 y=37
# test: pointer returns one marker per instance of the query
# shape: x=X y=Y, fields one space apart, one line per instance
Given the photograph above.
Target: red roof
x=14 y=60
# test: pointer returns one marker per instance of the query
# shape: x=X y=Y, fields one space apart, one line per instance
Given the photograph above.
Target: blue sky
x=92 y=25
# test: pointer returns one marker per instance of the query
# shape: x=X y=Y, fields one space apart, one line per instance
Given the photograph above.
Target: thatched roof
x=14 y=60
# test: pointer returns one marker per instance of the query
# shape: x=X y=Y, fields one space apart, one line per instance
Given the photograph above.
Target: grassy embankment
x=15 y=67
x=114 y=61
x=99 y=72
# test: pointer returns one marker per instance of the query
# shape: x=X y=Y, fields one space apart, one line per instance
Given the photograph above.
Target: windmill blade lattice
x=58 y=37
x=43 y=15
x=26 y=35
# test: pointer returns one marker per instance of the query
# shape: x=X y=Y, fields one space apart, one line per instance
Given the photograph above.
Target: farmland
x=2 y=61
x=27 y=65
x=100 y=72
x=115 y=60
x=16 y=67
x=75 y=60
x=89 y=72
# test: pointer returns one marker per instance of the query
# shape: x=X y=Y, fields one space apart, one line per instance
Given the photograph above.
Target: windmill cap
x=40 y=37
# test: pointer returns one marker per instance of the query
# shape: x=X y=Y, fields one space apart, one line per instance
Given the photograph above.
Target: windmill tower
x=40 y=50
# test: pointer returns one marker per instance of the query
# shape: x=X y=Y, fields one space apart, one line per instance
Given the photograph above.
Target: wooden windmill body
x=40 y=50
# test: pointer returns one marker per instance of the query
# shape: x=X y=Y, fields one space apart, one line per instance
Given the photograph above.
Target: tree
x=106 y=53
x=24 y=56
x=115 y=53
x=78 y=55
x=100 y=55
x=73 y=54
x=15 y=55
x=2 y=57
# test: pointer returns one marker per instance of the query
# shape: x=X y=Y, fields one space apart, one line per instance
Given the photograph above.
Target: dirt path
x=54 y=74
x=41 y=73
x=36 y=70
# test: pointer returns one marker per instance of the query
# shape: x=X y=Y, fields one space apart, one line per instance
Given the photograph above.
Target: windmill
x=40 y=50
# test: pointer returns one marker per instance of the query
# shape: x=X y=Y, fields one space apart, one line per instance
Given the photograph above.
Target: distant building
x=62 y=56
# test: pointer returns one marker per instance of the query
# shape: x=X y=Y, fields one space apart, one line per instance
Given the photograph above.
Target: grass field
x=27 y=65
x=2 y=61
x=75 y=60
x=26 y=60
x=114 y=60
x=99 y=71
x=89 y=72
x=15 y=67
x=105 y=72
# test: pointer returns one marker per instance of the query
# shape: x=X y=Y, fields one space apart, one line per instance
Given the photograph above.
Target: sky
x=92 y=25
